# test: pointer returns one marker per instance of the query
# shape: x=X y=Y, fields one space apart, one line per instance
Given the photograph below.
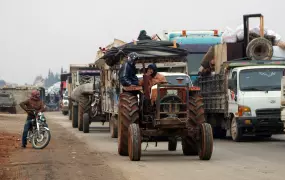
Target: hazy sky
x=40 y=34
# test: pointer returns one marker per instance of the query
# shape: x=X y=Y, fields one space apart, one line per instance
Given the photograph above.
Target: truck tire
x=12 y=110
x=259 y=49
x=86 y=123
x=70 y=114
x=74 y=116
x=236 y=132
x=172 y=144
x=134 y=142
x=65 y=112
x=206 y=142
x=128 y=114
x=113 y=127
x=80 y=118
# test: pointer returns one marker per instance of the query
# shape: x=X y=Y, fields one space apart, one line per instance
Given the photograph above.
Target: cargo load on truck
x=242 y=92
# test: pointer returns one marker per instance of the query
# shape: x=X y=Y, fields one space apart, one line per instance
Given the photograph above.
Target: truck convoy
x=242 y=95
x=214 y=88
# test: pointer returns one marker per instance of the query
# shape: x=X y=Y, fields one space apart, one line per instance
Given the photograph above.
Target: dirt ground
x=66 y=157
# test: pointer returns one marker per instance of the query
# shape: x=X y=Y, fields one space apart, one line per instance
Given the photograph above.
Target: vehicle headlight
x=244 y=111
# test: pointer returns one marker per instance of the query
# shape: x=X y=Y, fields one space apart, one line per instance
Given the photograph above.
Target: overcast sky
x=40 y=34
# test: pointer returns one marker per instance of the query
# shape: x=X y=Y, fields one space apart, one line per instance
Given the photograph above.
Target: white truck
x=244 y=98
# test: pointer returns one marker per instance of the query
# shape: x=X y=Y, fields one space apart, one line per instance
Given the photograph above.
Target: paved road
x=250 y=160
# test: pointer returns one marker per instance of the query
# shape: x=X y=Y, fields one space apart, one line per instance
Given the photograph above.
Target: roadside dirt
x=64 y=158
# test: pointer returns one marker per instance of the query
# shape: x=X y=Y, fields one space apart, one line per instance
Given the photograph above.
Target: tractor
x=164 y=112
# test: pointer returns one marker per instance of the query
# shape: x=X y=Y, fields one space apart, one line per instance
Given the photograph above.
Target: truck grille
x=276 y=112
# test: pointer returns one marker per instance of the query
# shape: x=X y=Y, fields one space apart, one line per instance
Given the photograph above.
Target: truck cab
x=244 y=99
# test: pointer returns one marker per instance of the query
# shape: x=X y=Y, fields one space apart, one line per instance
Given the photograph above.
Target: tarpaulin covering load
x=145 y=49
x=79 y=94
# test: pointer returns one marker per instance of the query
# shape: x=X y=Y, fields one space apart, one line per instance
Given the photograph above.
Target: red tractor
x=175 y=111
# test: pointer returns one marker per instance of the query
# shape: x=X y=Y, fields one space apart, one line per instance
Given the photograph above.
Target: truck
x=7 y=102
x=177 y=110
x=196 y=42
x=242 y=95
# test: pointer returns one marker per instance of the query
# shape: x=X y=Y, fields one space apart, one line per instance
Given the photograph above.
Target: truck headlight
x=244 y=111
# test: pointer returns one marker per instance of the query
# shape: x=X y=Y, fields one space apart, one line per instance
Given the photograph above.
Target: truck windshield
x=262 y=79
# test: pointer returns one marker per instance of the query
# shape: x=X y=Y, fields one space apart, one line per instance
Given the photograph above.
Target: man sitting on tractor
x=127 y=73
x=156 y=78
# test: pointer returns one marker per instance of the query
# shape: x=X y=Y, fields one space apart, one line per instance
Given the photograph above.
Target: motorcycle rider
x=127 y=73
x=34 y=102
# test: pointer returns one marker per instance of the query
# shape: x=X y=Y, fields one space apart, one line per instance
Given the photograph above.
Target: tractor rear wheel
x=128 y=114
x=206 y=142
x=172 y=144
x=80 y=117
x=134 y=142
x=74 y=117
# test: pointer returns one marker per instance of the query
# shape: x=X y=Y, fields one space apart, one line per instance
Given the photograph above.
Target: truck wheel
x=172 y=144
x=65 y=113
x=74 y=116
x=236 y=132
x=134 y=142
x=70 y=114
x=218 y=132
x=80 y=118
x=128 y=114
x=86 y=123
x=12 y=110
x=206 y=142
x=113 y=127
x=189 y=147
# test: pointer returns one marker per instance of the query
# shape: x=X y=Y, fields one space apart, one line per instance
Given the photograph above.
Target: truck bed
x=214 y=91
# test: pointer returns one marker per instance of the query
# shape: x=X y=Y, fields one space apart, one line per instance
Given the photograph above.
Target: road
x=251 y=160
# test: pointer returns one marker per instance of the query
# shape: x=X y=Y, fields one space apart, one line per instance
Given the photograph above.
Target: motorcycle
x=39 y=134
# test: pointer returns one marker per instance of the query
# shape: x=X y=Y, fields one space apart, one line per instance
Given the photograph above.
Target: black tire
x=206 y=142
x=70 y=114
x=113 y=127
x=65 y=112
x=128 y=114
x=172 y=144
x=86 y=123
x=189 y=147
x=259 y=49
x=134 y=142
x=196 y=117
x=44 y=145
x=80 y=118
x=74 y=116
x=220 y=133
x=236 y=132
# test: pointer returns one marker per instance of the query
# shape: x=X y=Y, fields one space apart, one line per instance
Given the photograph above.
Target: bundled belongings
x=145 y=49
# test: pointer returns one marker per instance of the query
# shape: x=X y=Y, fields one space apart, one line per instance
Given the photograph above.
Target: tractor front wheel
x=134 y=142
x=206 y=142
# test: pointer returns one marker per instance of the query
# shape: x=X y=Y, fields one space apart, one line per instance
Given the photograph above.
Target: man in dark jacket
x=128 y=70
x=143 y=36
x=33 y=103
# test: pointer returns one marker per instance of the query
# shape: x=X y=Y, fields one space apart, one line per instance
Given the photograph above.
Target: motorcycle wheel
x=46 y=141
